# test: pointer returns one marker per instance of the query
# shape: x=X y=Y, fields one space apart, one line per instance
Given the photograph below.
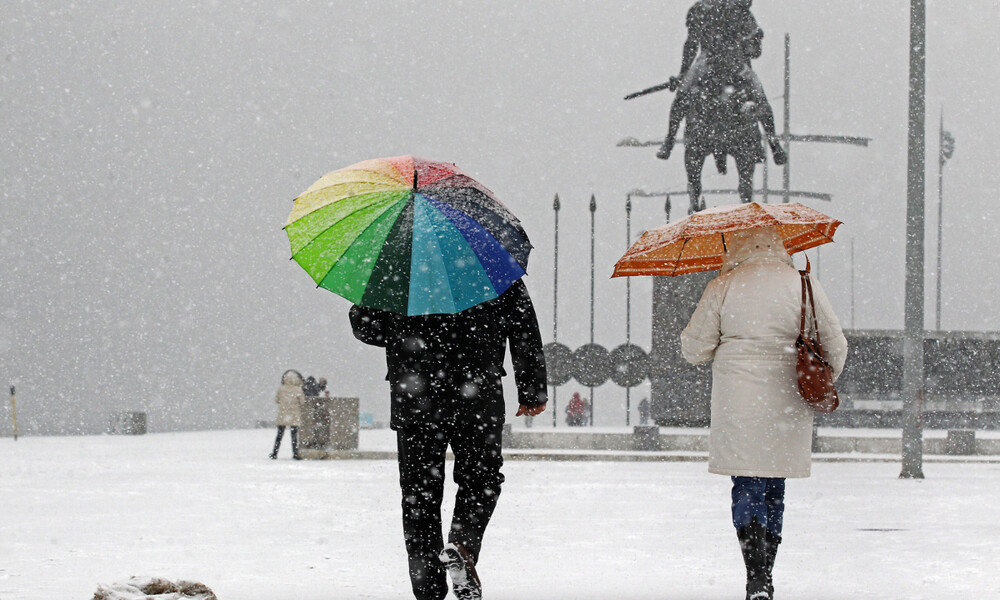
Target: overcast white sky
x=151 y=150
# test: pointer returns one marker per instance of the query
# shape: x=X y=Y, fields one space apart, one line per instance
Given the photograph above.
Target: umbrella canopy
x=698 y=242
x=407 y=235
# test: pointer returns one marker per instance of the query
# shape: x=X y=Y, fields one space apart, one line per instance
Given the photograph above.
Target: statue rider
x=723 y=36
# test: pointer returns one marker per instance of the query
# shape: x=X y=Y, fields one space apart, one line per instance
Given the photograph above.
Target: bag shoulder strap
x=807 y=297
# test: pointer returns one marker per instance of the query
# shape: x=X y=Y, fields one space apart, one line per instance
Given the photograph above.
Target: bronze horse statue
x=720 y=96
x=722 y=121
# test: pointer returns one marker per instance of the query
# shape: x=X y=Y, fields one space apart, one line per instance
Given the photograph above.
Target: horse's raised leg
x=745 y=168
x=694 y=161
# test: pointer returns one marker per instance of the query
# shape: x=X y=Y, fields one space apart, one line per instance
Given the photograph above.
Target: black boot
x=771 y=542
x=754 y=547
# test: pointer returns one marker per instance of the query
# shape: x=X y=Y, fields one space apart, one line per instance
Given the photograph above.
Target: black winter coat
x=442 y=367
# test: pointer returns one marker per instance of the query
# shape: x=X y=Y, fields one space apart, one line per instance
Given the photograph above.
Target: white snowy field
x=210 y=507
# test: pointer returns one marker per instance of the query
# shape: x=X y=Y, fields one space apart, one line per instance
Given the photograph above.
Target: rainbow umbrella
x=407 y=235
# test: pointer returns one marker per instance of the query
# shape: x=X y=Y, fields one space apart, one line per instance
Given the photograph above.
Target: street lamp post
x=913 y=317
x=593 y=212
x=555 y=295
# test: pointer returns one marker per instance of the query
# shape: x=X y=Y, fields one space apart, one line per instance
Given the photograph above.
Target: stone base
x=128 y=423
x=328 y=424
x=960 y=442
x=646 y=437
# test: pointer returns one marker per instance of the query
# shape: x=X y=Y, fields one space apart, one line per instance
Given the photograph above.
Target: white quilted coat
x=746 y=323
x=290 y=399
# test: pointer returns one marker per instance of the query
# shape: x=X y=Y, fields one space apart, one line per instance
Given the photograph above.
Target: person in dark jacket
x=445 y=375
x=310 y=388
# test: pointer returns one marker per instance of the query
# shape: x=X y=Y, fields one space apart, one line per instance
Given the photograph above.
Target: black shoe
x=296 y=457
x=273 y=455
x=464 y=579
x=664 y=152
x=754 y=547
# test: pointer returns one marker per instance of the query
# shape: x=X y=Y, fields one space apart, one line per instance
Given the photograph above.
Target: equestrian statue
x=720 y=96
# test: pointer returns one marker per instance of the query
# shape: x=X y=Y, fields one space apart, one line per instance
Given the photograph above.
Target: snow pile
x=154 y=588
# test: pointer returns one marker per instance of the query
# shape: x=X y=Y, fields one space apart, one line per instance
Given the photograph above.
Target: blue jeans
x=762 y=498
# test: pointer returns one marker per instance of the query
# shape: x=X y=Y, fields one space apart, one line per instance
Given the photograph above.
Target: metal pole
x=13 y=408
x=937 y=303
x=663 y=332
x=593 y=212
x=913 y=319
x=787 y=136
x=555 y=297
x=628 y=305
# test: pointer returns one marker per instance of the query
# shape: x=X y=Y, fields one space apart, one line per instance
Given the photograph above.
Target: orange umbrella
x=698 y=242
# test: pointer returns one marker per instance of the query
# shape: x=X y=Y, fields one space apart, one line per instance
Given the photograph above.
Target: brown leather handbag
x=814 y=372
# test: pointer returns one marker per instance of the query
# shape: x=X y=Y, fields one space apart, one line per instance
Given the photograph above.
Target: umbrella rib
x=363 y=231
x=338 y=221
x=483 y=213
x=680 y=255
x=377 y=187
x=440 y=246
x=496 y=207
x=462 y=233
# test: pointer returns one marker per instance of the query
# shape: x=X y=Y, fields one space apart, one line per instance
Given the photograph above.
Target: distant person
x=310 y=388
x=576 y=411
x=290 y=400
x=644 y=411
x=445 y=375
x=321 y=388
x=747 y=322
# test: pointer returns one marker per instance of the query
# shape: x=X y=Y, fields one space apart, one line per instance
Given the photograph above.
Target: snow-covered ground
x=210 y=507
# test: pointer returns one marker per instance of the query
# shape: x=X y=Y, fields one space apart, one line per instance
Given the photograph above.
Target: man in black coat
x=445 y=375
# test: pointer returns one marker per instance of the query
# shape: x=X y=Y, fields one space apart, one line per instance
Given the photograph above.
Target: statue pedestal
x=646 y=438
x=681 y=392
x=128 y=423
x=328 y=424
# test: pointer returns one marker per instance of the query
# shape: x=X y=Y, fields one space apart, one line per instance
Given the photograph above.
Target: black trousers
x=477 y=448
x=295 y=440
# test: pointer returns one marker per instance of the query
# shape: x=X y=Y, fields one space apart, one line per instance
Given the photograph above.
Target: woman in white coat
x=746 y=323
x=290 y=399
